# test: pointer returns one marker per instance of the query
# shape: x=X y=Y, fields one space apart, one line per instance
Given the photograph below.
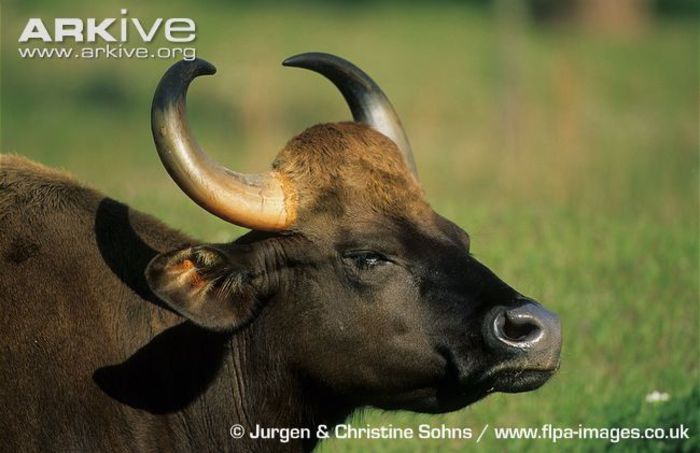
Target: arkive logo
x=108 y=30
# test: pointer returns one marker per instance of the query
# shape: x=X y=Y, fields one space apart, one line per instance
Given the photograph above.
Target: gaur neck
x=198 y=383
x=255 y=388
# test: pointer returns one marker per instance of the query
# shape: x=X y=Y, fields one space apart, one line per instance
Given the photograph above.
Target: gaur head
x=376 y=295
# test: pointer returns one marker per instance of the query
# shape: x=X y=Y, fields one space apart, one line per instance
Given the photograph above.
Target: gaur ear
x=204 y=285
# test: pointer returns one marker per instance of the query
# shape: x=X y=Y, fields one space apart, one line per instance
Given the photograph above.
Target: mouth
x=459 y=387
x=458 y=390
x=454 y=393
x=516 y=380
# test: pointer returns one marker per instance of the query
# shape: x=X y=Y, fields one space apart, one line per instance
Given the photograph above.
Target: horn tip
x=203 y=67
x=194 y=67
x=306 y=59
x=292 y=61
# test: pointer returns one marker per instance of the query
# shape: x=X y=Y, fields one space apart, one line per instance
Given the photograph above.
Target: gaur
x=350 y=291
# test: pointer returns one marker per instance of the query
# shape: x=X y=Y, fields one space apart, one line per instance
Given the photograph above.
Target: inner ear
x=206 y=285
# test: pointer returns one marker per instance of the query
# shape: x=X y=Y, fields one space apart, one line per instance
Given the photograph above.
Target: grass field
x=570 y=156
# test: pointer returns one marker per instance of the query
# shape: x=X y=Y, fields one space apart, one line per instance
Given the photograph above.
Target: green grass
x=570 y=157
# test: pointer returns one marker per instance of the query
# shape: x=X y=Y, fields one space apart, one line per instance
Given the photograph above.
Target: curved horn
x=257 y=201
x=368 y=103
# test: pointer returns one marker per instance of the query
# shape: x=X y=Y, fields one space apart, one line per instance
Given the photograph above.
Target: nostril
x=518 y=329
x=528 y=328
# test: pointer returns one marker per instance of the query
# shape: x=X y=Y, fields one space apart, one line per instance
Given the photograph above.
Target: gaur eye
x=365 y=260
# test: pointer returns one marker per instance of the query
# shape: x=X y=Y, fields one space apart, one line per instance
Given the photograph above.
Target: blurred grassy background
x=565 y=142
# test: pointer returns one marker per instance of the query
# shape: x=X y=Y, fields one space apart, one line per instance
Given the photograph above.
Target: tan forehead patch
x=351 y=165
